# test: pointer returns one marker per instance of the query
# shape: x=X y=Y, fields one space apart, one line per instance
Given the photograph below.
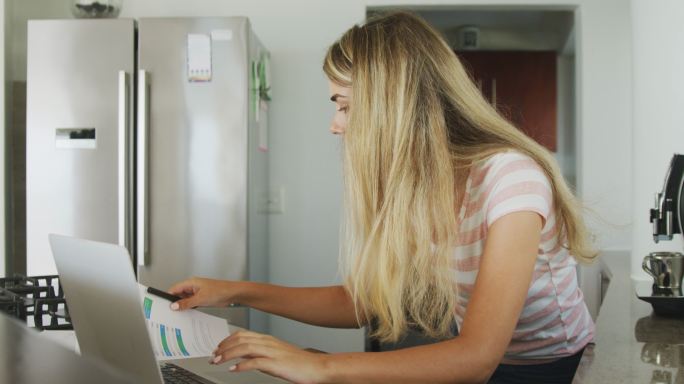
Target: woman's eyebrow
x=334 y=97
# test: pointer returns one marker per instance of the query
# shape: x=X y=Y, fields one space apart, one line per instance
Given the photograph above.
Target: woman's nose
x=335 y=130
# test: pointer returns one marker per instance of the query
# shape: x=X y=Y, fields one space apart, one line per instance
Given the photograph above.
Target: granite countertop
x=632 y=344
x=25 y=358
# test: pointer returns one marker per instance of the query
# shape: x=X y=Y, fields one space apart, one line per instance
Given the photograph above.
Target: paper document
x=199 y=57
x=180 y=334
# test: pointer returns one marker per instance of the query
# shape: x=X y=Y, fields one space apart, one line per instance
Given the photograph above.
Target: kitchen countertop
x=26 y=357
x=632 y=345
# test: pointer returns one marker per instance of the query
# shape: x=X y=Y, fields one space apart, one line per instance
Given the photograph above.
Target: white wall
x=305 y=157
x=604 y=123
x=23 y=10
x=658 y=113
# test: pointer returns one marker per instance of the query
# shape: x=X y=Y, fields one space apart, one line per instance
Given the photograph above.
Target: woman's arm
x=493 y=311
x=322 y=306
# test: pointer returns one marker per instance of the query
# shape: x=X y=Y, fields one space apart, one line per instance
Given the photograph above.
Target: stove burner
x=37 y=300
x=13 y=304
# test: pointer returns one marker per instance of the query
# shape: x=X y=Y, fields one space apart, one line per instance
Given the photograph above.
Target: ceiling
x=513 y=29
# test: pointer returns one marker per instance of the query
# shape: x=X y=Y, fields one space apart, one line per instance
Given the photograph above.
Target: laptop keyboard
x=174 y=374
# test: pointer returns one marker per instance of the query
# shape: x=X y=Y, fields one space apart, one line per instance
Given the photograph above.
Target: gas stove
x=36 y=300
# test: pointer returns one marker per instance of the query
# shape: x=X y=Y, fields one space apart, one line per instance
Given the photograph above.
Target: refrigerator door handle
x=143 y=206
x=122 y=159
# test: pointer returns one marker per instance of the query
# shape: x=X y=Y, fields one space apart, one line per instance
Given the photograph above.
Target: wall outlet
x=272 y=202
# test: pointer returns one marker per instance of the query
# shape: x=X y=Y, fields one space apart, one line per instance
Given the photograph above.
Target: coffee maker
x=666 y=268
x=668 y=213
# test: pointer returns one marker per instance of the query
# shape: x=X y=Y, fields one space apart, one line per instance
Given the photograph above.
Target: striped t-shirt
x=555 y=321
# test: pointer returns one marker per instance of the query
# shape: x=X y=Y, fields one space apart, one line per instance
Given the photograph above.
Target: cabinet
x=522 y=87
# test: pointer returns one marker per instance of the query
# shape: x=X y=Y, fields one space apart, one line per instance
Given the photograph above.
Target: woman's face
x=341 y=97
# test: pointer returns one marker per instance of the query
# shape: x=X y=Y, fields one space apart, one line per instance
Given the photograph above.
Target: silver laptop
x=106 y=311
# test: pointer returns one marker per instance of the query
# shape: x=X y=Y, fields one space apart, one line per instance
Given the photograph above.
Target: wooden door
x=521 y=85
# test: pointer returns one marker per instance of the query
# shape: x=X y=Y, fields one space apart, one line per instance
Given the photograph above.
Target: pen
x=174 y=298
x=162 y=294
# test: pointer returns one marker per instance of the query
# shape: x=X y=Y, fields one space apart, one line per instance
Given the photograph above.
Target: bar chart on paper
x=169 y=341
x=177 y=335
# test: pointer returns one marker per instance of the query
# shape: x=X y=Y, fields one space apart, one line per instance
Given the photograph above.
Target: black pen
x=163 y=295
x=174 y=298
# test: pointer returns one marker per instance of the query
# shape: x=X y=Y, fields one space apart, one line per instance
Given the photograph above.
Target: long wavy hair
x=417 y=123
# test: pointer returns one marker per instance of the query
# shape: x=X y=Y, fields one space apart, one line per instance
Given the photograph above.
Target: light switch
x=272 y=202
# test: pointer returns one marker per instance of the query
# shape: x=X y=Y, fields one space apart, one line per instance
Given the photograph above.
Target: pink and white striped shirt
x=555 y=321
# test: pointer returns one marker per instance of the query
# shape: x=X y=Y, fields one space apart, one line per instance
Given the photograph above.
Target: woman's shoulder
x=508 y=156
x=503 y=163
x=512 y=181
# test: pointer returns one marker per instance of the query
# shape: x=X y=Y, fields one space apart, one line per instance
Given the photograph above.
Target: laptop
x=106 y=311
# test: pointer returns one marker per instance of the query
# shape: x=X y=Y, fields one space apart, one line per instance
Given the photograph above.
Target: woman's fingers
x=262 y=364
x=184 y=288
x=187 y=303
x=250 y=350
x=202 y=292
x=239 y=337
x=254 y=351
x=195 y=292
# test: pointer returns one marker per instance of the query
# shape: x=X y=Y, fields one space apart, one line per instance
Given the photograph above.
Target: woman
x=452 y=215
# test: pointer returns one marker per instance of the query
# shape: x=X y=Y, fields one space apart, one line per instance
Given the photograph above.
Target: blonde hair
x=416 y=125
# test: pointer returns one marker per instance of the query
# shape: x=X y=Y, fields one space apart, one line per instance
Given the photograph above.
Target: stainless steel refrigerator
x=150 y=134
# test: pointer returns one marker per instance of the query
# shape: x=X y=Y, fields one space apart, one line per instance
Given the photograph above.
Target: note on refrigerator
x=180 y=334
x=199 y=57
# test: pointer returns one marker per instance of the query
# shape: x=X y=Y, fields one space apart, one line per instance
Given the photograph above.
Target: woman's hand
x=201 y=292
x=272 y=356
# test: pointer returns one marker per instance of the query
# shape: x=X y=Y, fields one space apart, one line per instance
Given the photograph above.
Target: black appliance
x=668 y=213
x=36 y=300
